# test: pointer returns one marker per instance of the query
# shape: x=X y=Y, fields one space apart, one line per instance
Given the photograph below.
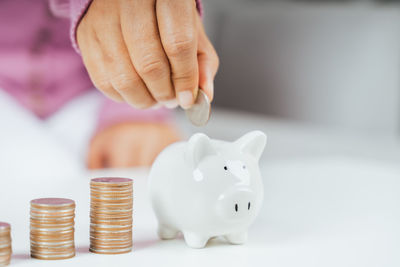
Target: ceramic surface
x=206 y=188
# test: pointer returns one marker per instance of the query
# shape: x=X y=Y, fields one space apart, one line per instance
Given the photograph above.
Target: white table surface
x=331 y=198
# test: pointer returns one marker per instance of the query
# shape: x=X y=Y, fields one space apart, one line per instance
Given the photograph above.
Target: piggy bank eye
x=225 y=168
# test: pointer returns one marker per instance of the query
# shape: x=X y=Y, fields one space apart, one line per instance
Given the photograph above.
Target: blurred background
x=331 y=63
x=321 y=78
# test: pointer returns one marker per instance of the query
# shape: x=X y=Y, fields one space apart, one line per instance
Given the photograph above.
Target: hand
x=145 y=52
x=129 y=144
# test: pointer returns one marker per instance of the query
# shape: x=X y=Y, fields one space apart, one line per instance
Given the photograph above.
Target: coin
x=199 y=113
x=52 y=228
x=5 y=243
x=111 y=206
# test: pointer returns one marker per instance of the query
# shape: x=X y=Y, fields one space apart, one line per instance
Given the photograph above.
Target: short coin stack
x=111 y=205
x=5 y=243
x=52 y=228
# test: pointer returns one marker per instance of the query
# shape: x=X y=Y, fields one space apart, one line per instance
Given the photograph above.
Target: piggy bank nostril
x=236 y=207
x=248 y=206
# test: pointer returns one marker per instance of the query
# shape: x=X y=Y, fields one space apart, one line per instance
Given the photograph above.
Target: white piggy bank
x=206 y=188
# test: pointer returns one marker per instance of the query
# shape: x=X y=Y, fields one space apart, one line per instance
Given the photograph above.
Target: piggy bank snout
x=236 y=204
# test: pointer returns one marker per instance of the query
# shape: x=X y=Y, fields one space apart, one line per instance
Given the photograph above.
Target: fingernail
x=211 y=86
x=115 y=98
x=170 y=103
x=185 y=99
x=157 y=106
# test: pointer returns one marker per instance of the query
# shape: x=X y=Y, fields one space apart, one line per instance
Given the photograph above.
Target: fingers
x=118 y=158
x=177 y=28
x=103 y=154
x=96 y=155
x=123 y=76
x=140 y=32
x=158 y=136
x=147 y=51
x=130 y=144
x=118 y=73
x=208 y=62
x=93 y=59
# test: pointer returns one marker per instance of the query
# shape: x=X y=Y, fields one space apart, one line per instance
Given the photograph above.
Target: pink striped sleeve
x=78 y=9
x=199 y=6
x=60 y=8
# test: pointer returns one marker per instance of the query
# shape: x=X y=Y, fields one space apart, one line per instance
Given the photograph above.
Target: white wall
x=335 y=64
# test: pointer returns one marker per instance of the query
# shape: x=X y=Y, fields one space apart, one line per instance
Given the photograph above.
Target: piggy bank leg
x=194 y=240
x=166 y=232
x=237 y=238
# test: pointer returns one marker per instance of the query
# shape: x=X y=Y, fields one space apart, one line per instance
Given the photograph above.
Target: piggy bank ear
x=252 y=143
x=198 y=147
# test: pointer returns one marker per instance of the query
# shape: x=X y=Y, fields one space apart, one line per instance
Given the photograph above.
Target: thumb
x=208 y=64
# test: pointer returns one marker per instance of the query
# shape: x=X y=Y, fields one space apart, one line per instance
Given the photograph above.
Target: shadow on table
x=137 y=245
x=21 y=256
x=217 y=241
x=82 y=249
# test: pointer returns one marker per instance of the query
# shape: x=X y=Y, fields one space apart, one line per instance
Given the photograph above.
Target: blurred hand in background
x=129 y=144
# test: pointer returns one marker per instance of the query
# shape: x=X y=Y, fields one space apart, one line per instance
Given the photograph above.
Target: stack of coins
x=52 y=228
x=5 y=243
x=111 y=205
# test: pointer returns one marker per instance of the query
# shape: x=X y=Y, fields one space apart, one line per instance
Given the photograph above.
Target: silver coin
x=199 y=113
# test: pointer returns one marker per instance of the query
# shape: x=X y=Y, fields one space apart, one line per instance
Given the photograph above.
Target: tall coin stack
x=5 y=243
x=52 y=228
x=111 y=205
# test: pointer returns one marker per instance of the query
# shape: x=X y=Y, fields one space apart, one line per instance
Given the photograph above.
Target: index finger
x=177 y=26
